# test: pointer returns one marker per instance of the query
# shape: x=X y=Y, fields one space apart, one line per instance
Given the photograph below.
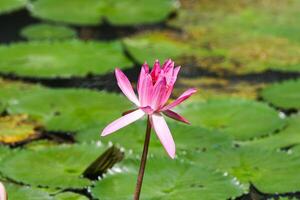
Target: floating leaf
x=54 y=167
x=61 y=59
x=269 y=171
x=7 y=6
x=47 y=32
x=17 y=128
x=186 y=137
x=284 y=95
x=63 y=109
x=77 y=12
x=131 y=12
x=91 y=12
x=17 y=192
x=4 y=151
x=242 y=119
x=177 y=180
x=288 y=137
x=69 y=196
x=156 y=45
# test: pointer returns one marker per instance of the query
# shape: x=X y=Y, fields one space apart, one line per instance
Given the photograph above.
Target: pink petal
x=3 y=195
x=155 y=71
x=167 y=65
x=163 y=133
x=158 y=94
x=145 y=92
x=125 y=86
x=122 y=121
x=175 y=116
x=143 y=74
x=180 y=99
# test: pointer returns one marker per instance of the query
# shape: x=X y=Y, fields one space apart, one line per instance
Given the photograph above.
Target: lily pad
x=63 y=109
x=54 y=167
x=131 y=12
x=284 y=95
x=177 y=180
x=69 y=196
x=269 y=171
x=242 y=119
x=7 y=6
x=17 y=192
x=46 y=59
x=186 y=138
x=17 y=128
x=157 y=45
x=77 y=12
x=286 y=138
x=47 y=32
x=92 y=12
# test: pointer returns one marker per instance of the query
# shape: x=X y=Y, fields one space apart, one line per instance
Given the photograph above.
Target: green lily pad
x=17 y=128
x=46 y=59
x=77 y=12
x=269 y=171
x=17 y=192
x=63 y=109
x=186 y=138
x=242 y=119
x=4 y=151
x=7 y=6
x=284 y=95
x=54 y=167
x=131 y=12
x=70 y=196
x=157 y=45
x=177 y=180
x=47 y=32
x=287 y=137
x=92 y=12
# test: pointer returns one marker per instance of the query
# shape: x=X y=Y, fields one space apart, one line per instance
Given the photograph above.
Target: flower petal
x=158 y=94
x=175 y=116
x=163 y=133
x=143 y=74
x=122 y=121
x=180 y=99
x=3 y=195
x=126 y=87
x=145 y=91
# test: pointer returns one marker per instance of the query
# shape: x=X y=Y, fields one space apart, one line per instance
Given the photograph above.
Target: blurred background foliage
x=57 y=92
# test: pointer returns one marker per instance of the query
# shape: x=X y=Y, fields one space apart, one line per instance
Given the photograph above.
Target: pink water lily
x=154 y=89
x=2 y=192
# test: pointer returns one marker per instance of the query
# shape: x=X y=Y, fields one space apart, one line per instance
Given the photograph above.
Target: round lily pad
x=17 y=192
x=242 y=119
x=69 y=196
x=17 y=128
x=288 y=137
x=186 y=138
x=77 y=12
x=156 y=45
x=131 y=12
x=167 y=179
x=284 y=95
x=63 y=109
x=7 y=6
x=269 y=171
x=54 y=167
x=47 y=32
x=45 y=59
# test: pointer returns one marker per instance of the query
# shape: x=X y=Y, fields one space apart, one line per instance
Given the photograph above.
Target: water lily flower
x=2 y=192
x=154 y=90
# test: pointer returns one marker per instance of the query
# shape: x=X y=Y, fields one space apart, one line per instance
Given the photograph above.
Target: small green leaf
x=44 y=31
x=167 y=179
x=69 y=196
x=284 y=95
x=7 y=6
